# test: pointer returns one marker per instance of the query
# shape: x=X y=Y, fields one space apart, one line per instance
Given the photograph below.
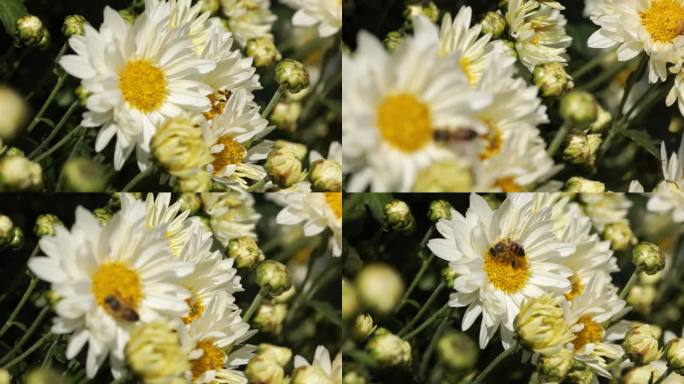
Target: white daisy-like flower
x=605 y=208
x=317 y=211
x=539 y=32
x=231 y=215
x=231 y=135
x=501 y=258
x=458 y=36
x=591 y=7
x=109 y=278
x=390 y=122
x=333 y=369
x=668 y=196
x=326 y=14
x=635 y=26
x=588 y=314
x=248 y=19
x=138 y=76
x=211 y=341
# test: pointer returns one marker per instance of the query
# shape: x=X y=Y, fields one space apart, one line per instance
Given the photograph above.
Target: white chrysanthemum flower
x=605 y=208
x=669 y=194
x=108 y=278
x=458 y=36
x=137 y=76
x=248 y=19
x=390 y=121
x=592 y=255
x=333 y=369
x=317 y=211
x=210 y=342
x=231 y=215
x=591 y=7
x=635 y=26
x=326 y=14
x=539 y=32
x=501 y=258
x=589 y=313
x=231 y=135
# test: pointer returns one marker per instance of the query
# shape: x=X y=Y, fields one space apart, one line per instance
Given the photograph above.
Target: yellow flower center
x=232 y=153
x=196 y=309
x=664 y=20
x=506 y=266
x=143 y=85
x=212 y=358
x=576 y=288
x=493 y=140
x=508 y=184
x=466 y=67
x=404 y=122
x=117 y=289
x=591 y=333
x=334 y=201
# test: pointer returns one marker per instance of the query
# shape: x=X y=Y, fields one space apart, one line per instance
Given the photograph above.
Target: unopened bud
x=196 y=182
x=14 y=112
x=273 y=276
x=457 y=351
x=5 y=377
x=30 y=31
x=74 y=25
x=398 y=217
x=269 y=318
x=6 y=230
x=582 y=148
x=603 y=120
x=280 y=355
x=103 y=215
x=674 y=354
x=620 y=235
x=285 y=115
x=309 y=374
x=299 y=150
x=284 y=167
x=18 y=173
x=211 y=6
x=581 y=185
x=393 y=40
x=178 y=146
x=641 y=345
x=439 y=210
x=263 y=51
x=421 y=8
x=17 y=238
x=380 y=287
x=551 y=79
x=44 y=376
x=363 y=327
x=648 y=257
x=557 y=365
x=350 y=300
x=292 y=74
x=190 y=202
x=388 y=349
x=579 y=108
x=245 y=251
x=493 y=23
x=541 y=325
x=326 y=176
x=449 y=275
x=641 y=297
x=262 y=370
x=45 y=225
x=84 y=175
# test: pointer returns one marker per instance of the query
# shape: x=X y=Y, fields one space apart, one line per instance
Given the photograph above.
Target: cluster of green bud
x=84 y=175
x=103 y=215
x=393 y=40
x=292 y=74
x=439 y=210
x=273 y=277
x=263 y=51
x=31 y=32
x=398 y=217
x=648 y=258
x=389 y=350
x=74 y=25
x=46 y=224
x=551 y=79
x=245 y=251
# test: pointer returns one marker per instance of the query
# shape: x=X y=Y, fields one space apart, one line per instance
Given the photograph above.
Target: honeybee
x=218 y=102
x=455 y=135
x=120 y=310
x=510 y=250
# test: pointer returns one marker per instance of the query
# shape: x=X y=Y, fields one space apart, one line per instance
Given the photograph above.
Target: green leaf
x=642 y=138
x=376 y=203
x=326 y=310
x=10 y=11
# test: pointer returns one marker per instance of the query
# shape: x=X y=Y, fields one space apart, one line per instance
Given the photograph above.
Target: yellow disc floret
x=143 y=85
x=212 y=358
x=591 y=333
x=334 y=201
x=663 y=20
x=115 y=286
x=404 y=122
x=506 y=266
x=232 y=153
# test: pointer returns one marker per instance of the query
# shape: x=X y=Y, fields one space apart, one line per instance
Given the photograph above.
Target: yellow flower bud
x=74 y=25
x=84 y=175
x=380 y=287
x=284 y=168
x=199 y=181
x=674 y=354
x=14 y=112
x=579 y=108
x=551 y=79
x=577 y=184
x=641 y=345
x=269 y=318
x=350 y=301
x=557 y=365
x=280 y=355
x=363 y=327
x=273 y=276
x=190 y=202
x=310 y=374
x=18 y=173
x=582 y=148
x=620 y=235
x=541 y=325
x=493 y=23
x=179 y=148
x=30 y=31
x=263 y=51
x=6 y=230
x=262 y=370
x=297 y=149
x=388 y=349
x=245 y=251
x=326 y=176
x=154 y=353
x=285 y=116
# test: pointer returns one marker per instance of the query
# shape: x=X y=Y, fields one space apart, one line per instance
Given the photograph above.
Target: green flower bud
x=579 y=108
x=6 y=230
x=641 y=297
x=449 y=275
x=190 y=202
x=648 y=257
x=299 y=150
x=74 y=25
x=603 y=120
x=82 y=94
x=641 y=345
x=439 y=210
x=620 y=235
x=326 y=176
x=456 y=351
x=286 y=296
x=353 y=376
x=18 y=173
x=128 y=15
x=557 y=365
x=380 y=287
x=582 y=148
x=674 y=354
x=427 y=9
x=308 y=374
x=284 y=168
x=388 y=349
x=581 y=185
x=363 y=327
x=103 y=215
x=280 y=355
x=44 y=376
x=5 y=377
x=263 y=51
x=398 y=217
x=285 y=116
x=269 y=318
x=393 y=40
x=350 y=300
x=30 y=31
x=273 y=276
x=444 y=176
x=551 y=79
x=84 y=175
x=262 y=370
x=14 y=112
x=196 y=182
x=45 y=225
x=493 y=23
x=245 y=251
x=17 y=238
x=14 y=151
x=292 y=74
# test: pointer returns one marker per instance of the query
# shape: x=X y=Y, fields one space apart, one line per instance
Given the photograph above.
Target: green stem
x=58 y=145
x=604 y=76
x=60 y=181
x=632 y=280
x=433 y=342
x=426 y=323
x=664 y=376
x=255 y=304
x=32 y=348
x=424 y=266
x=138 y=178
x=60 y=81
x=274 y=100
x=589 y=65
x=55 y=130
x=20 y=305
x=616 y=362
x=502 y=356
x=27 y=335
x=558 y=139
x=423 y=309
x=51 y=351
